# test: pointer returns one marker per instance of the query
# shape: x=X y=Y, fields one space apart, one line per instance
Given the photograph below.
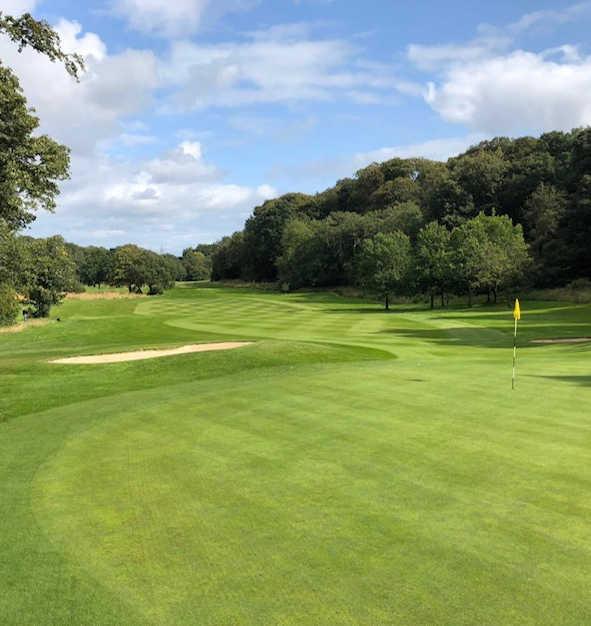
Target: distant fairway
x=349 y=467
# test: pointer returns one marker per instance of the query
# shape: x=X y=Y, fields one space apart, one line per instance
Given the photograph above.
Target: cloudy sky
x=192 y=112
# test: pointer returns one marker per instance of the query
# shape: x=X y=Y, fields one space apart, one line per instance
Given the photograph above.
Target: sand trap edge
x=140 y=355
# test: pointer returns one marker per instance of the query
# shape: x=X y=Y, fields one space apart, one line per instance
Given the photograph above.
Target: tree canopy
x=535 y=190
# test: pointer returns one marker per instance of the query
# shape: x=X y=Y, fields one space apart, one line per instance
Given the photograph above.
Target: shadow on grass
x=372 y=310
x=583 y=381
x=490 y=337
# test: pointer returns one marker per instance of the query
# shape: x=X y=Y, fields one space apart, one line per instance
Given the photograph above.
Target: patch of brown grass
x=102 y=295
x=20 y=326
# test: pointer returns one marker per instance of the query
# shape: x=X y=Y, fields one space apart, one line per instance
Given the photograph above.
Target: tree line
x=36 y=273
x=538 y=187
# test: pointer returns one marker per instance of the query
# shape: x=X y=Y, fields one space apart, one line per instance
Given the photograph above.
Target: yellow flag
x=517 y=310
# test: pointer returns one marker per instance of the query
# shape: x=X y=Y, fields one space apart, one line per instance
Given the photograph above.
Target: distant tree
x=159 y=273
x=384 y=264
x=480 y=174
x=299 y=265
x=49 y=273
x=469 y=248
x=263 y=232
x=129 y=267
x=434 y=260
x=406 y=217
x=544 y=209
x=506 y=254
x=229 y=258
x=96 y=266
x=197 y=266
x=489 y=254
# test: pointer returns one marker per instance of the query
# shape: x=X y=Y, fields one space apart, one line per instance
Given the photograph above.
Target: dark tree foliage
x=541 y=184
x=263 y=232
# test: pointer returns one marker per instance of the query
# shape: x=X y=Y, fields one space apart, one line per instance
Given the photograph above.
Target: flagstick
x=514 y=354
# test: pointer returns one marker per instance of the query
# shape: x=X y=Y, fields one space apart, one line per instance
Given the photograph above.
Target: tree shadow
x=367 y=310
x=487 y=336
x=583 y=381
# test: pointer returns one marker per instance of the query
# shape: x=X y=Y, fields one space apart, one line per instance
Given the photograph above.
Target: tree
x=468 y=243
x=13 y=261
x=30 y=166
x=434 y=260
x=383 y=265
x=128 y=268
x=197 y=266
x=263 y=232
x=158 y=273
x=544 y=209
x=299 y=264
x=228 y=259
x=489 y=254
x=9 y=305
x=480 y=173
x=505 y=255
x=48 y=274
x=96 y=266
x=26 y=31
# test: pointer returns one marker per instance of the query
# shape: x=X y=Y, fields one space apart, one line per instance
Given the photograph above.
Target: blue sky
x=192 y=112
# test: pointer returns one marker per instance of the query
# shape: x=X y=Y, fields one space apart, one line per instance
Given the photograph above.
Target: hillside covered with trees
x=507 y=211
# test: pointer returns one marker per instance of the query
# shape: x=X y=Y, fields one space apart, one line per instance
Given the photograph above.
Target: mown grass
x=350 y=467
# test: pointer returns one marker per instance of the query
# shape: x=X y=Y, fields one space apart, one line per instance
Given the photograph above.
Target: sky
x=192 y=112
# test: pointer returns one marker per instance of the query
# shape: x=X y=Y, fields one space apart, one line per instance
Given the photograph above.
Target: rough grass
x=351 y=467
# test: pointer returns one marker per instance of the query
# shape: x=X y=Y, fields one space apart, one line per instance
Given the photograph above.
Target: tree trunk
x=387 y=302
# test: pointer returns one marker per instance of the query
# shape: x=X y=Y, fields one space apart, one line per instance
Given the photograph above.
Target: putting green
x=351 y=466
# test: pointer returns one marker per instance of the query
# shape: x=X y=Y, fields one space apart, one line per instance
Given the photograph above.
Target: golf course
x=340 y=465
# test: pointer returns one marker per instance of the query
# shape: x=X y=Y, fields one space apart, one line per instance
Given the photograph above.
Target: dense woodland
x=457 y=227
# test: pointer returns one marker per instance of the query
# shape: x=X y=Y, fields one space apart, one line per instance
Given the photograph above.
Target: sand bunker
x=138 y=355
x=563 y=340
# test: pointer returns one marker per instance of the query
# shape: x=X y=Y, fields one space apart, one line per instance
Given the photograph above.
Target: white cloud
x=271 y=66
x=83 y=114
x=18 y=7
x=491 y=86
x=170 y=17
x=89 y=45
x=515 y=92
x=171 y=201
x=184 y=164
x=173 y=18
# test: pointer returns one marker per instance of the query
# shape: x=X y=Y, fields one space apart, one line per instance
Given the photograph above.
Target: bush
x=9 y=305
x=156 y=289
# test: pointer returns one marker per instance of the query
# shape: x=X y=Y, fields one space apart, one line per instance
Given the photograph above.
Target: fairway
x=349 y=466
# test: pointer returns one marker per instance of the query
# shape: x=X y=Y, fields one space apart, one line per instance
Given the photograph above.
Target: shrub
x=9 y=305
